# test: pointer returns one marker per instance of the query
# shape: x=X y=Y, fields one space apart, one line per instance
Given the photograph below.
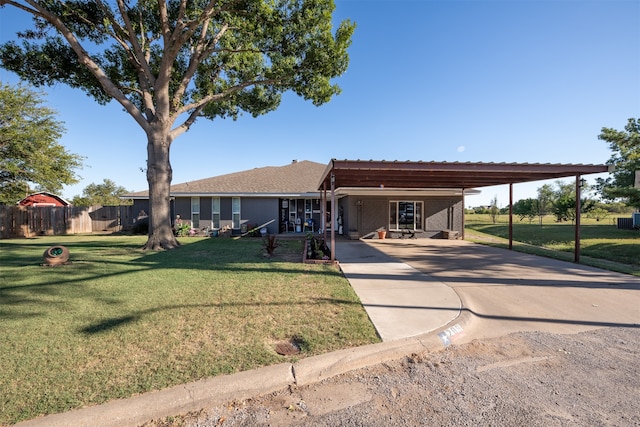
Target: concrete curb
x=219 y=390
x=173 y=401
x=319 y=368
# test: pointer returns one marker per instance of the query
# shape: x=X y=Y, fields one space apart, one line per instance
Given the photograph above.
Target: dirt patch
x=533 y=379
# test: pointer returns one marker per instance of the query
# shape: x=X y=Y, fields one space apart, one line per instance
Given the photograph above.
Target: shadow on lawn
x=109 y=324
x=88 y=263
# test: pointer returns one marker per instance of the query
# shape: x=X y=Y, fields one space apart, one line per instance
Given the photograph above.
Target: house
x=287 y=194
x=406 y=199
x=43 y=199
x=292 y=196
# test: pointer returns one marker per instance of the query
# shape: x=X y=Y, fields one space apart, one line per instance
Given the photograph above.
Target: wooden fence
x=29 y=221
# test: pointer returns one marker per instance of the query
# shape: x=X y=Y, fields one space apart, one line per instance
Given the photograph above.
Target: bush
x=183 y=229
x=317 y=248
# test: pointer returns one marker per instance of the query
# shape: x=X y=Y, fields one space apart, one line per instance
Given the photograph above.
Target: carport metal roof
x=450 y=175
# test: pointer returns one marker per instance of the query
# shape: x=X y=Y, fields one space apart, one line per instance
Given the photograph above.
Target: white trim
x=215 y=212
x=195 y=212
x=234 y=213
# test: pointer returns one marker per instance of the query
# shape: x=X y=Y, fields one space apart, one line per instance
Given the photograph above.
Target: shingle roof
x=294 y=178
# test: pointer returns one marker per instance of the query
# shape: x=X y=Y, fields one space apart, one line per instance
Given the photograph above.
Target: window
x=292 y=211
x=307 y=208
x=405 y=215
x=235 y=213
x=195 y=212
x=215 y=212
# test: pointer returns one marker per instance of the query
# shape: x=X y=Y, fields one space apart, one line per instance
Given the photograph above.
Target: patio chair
x=308 y=223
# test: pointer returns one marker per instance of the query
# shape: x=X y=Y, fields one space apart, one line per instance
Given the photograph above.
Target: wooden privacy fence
x=29 y=221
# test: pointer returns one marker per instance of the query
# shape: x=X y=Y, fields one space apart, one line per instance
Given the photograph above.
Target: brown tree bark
x=159 y=176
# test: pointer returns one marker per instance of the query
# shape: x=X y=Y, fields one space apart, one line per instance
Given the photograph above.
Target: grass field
x=118 y=321
x=602 y=244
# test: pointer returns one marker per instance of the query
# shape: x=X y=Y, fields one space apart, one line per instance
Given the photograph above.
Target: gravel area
x=529 y=378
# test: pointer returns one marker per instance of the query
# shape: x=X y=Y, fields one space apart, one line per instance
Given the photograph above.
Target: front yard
x=117 y=321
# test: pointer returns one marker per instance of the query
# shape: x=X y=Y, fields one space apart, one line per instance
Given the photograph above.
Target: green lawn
x=601 y=243
x=118 y=321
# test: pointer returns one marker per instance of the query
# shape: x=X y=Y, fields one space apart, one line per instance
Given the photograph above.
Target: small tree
x=626 y=161
x=493 y=210
x=105 y=194
x=168 y=63
x=525 y=208
x=564 y=202
x=544 y=202
x=30 y=155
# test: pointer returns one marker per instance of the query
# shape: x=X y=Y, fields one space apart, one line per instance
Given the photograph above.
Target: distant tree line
x=558 y=200
x=106 y=194
x=617 y=194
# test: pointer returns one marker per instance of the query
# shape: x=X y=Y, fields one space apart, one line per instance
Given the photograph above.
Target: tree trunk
x=159 y=175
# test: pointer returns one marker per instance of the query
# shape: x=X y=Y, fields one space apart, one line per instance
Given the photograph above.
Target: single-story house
x=43 y=199
x=288 y=195
x=416 y=198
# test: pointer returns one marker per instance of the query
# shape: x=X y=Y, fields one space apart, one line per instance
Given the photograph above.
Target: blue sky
x=478 y=81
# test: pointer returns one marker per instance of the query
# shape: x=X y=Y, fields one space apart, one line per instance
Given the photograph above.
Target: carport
x=455 y=176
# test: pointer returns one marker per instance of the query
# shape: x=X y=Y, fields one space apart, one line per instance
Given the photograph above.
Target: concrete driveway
x=400 y=300
x=504 y=291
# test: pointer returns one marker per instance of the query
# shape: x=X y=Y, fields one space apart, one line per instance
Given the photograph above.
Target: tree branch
x=138 y=57
x=140 y=60
x=83 y=56
x=197 y=107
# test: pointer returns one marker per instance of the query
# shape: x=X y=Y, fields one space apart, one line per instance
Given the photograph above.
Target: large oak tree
x=169 y=63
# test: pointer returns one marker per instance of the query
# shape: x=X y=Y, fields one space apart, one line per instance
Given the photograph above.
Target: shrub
x=183 y=229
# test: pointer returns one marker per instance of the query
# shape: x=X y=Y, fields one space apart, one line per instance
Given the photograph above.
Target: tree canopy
x=626 y=161
x=169 y=63
x=559 y=201
x=30 y=156
x=526 y=208
x=106 y=194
